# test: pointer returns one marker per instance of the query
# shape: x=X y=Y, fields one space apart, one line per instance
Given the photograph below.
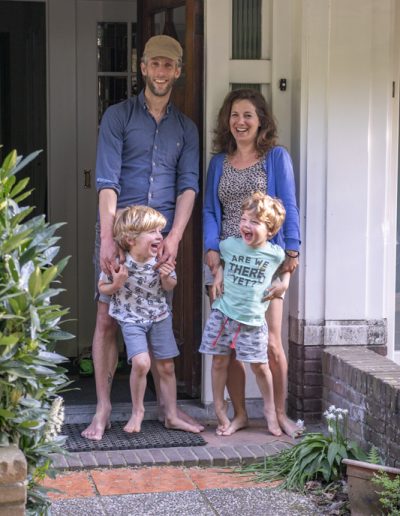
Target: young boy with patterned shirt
x=243 y=289
x=138 y=303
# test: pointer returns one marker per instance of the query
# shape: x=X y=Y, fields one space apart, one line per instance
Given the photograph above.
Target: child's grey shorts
x=156 y=337
x=222 y=334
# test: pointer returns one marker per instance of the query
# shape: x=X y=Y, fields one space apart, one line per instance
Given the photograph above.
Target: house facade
x=330 y=70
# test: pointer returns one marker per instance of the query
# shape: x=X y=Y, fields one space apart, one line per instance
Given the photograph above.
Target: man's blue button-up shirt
x=145 y=162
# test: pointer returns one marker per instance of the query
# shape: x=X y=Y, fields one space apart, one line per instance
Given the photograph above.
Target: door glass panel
x=171 y=22
x=111 y=91
x=112 y=41
x=246 y=29
x=116 y=64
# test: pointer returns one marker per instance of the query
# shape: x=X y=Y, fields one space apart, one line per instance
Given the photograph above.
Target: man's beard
x=159 y=93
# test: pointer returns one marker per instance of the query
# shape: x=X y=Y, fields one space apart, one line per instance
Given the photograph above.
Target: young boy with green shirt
x=242 y=290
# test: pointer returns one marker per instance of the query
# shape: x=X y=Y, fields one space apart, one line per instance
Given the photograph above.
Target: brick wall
x=368 y=385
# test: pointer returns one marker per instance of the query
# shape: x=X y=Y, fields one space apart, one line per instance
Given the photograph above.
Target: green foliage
x=30 y=373
x=390 y=492
x=316 y=457
x=373 y=456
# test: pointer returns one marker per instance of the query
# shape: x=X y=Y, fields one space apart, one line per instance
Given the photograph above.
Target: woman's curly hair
x=267 y=132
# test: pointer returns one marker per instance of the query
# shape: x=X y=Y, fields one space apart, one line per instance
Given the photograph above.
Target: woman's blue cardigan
x=280 y=183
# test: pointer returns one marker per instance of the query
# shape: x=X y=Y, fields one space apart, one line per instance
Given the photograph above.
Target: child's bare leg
x=219 y=375
x=161 y=402
x=166 y=372
x=265 y=384
x=236 y=388
x=138 y=382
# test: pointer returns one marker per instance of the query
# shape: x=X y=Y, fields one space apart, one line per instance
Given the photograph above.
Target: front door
x=183 y=20
x=106 y=73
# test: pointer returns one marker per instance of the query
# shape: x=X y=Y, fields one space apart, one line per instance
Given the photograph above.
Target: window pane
x=110 y=91
x=112 y=47
x=238 y=86
x=246 y=29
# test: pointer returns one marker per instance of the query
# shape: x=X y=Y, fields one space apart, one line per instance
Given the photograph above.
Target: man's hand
x=119 y=276
x=109 y=251
x=213 y=260
x=168 y=251
x=165 y=269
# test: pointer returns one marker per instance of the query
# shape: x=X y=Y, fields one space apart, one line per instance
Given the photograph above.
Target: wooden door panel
x=188 y=97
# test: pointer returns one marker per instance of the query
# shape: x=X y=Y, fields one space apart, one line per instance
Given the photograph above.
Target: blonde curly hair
x=133 y=220
x=269 y=210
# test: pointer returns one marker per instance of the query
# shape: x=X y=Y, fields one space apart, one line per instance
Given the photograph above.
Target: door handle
x=87 y=178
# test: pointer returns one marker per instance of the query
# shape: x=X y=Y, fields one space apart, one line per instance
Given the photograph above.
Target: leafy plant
x=389 y=496
x=373 y=456
x=317 y=456
x=31 y=377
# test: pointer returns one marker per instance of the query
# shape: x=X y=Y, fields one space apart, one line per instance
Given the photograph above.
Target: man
x=148 y=153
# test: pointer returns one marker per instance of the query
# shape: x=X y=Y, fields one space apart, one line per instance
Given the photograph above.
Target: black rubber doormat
x=153 y=435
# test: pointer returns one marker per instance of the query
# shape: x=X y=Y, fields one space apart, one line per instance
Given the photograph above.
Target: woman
x=249 y=159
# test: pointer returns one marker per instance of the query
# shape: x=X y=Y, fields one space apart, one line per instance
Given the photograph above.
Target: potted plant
x=372 y=488
x=31 y=376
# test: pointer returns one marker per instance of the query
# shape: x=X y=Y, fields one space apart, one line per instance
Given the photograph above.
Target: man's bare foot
x=182 y=416
x=100 y=423
x=135 y=422
x=180 y=424
x=238 y=423
x=222 y=418
x=291 y=428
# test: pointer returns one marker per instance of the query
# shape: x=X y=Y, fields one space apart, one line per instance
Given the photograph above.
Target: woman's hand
x=278 y=287
x=289 y=265
x=213 y=260
x=217 y=288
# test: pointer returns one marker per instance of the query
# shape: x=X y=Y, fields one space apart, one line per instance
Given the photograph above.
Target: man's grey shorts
x=222 y=334
x=156 y=337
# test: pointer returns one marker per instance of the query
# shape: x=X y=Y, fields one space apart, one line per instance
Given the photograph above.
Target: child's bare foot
x=135 y=422
x=100 y=423
x=179 y=424
x=272 y=423
x=238 y=423
x=222 y=418
x=291 y=428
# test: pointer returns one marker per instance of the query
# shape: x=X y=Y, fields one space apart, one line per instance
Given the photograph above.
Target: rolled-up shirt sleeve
x=188 y=165
x=109 y=151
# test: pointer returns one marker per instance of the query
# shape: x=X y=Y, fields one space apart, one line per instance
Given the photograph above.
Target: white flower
x=332 y=408
x=340 y=417
x=300 y=424
x=56 y=418
x=330 y=429
x=330 y=416
x=345 y=411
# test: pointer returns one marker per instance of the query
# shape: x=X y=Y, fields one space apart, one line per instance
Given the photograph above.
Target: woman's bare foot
x=238 y=423
x=135 y=422
x=100 y=423
x=222 y=418
x=290 y=428
x=272 y=423
x=180 y=424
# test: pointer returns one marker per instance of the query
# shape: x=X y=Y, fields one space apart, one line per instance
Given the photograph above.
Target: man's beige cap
x=163 y=46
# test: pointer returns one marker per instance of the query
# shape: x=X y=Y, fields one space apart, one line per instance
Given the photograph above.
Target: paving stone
x=116 y=458
x=74 y=462
x=246 y=455
x=173 y=456
x=102 y=458
x=189 y=458
x=145 y=457
x=204 y=458
x=159 y=456
x=59 y=461
x=258 y=451
x=131 y=458
x=218 y=458
x=88 y=460
x=232 y=457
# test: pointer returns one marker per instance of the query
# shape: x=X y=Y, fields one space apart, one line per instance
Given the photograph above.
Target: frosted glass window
x=246 y=29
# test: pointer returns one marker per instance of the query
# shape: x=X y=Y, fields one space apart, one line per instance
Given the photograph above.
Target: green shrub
x=31 y=377
x=316 y=457
x=389 y=496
